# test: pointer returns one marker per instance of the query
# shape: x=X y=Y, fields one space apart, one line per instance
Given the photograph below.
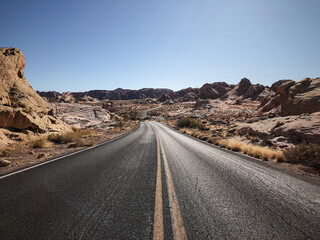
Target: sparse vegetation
x=252 y=150
x=64 y=138
x=154 y=113
x=306 y=154
x=134 y=116
x=38 y=143
x=73 y=137
x=119 y=125
x=8 y=151
x=189 y=123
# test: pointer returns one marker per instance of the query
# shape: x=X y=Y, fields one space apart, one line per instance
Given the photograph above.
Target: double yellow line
x=179 y=231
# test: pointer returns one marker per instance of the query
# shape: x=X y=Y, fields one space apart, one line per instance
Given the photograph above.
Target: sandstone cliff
x=21 y=108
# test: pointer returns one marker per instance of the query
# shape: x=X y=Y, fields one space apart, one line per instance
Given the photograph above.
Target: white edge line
x=70 y=154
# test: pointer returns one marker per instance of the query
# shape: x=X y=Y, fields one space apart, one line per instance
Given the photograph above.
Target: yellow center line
x=179 y=231
x=158 y=213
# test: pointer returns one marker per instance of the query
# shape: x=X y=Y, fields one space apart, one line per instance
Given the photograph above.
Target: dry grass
x=88 y=132
x=64 y=138
x=306 y=154
x=77 y=138
x=256 y=151
x=9 y=151
x=252 y=150
x=38 y=143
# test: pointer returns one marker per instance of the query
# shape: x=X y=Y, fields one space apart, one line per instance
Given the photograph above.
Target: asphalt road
x=144 y=113
x=157 y=183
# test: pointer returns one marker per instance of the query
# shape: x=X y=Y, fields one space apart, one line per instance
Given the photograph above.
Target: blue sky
x=83 y=45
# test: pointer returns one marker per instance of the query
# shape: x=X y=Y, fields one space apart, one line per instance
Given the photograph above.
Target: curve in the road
x=144 y=113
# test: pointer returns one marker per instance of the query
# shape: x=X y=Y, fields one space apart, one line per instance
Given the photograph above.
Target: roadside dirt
x=26 y=156
x=290 y=168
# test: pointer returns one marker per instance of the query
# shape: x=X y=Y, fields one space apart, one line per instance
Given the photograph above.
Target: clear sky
x=82 y=45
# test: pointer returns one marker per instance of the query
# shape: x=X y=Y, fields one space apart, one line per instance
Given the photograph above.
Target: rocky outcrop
x=214 y=90
x=239 y=90
x=283 y=132
x=183 y=92
x=190 y=97
x=301 y=129
x=293 y=98
x=83 y=115
x=164 y=98
x=51 y=95
x=67 y=97
x=21 y=108
x=246 y=90
x=278 y=83
x=87 y=98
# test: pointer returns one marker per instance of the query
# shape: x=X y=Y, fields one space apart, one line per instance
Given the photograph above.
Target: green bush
x=306 y=154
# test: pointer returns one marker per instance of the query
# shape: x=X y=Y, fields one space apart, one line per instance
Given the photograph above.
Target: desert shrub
x=134 y=116
x=189 y=123
x=7 y=152
x=82 y=143
x=154 y=113
x=65 y=138
x=306 y=154
x=38 y=143
x=54 y=137
x=119 y=125
x=74 y=129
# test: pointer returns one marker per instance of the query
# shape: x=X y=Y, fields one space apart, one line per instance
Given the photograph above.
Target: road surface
x=157 y=183
x=144 y=113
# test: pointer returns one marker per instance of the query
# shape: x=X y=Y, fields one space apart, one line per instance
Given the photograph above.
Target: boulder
x=4 y=163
